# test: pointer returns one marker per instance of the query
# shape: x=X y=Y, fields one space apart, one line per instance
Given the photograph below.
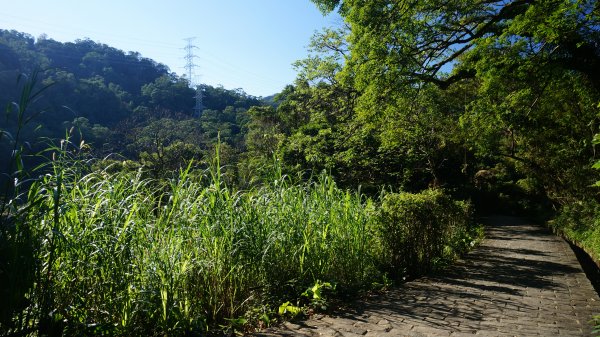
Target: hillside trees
x=113 y=100
x=170 y=93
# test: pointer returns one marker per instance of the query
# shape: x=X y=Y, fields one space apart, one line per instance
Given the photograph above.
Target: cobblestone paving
x=521 y=281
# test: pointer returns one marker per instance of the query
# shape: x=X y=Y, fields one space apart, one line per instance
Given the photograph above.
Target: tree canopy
x=424 y=40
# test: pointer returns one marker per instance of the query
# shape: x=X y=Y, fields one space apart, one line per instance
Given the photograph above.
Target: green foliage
x=316 y=295
x=313 y=298
x=403 y=41
x=197 y=256
x=494 y=100
x=519 y=90
x=290 y=310
x=417 y=230
x=580 y=222
x=22 y=278
x=17 y=270
x=325 y=121
x=170 y=93
x=316 y=292
x=596 y=322
x=326 y=6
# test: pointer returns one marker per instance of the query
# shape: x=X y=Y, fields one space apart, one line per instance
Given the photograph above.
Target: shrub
x=580 y=222
x=417 y=230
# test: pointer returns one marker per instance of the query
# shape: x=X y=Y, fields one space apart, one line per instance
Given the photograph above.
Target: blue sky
x=248 y=44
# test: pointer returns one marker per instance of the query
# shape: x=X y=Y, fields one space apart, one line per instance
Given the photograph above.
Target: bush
x=418 y=230
x=580 y=222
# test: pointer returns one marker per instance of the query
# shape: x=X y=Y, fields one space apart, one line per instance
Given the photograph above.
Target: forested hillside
x=403 y=122
x=117 y=102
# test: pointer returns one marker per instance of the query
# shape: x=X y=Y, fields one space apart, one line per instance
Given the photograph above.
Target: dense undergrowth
x=106 y=254
x=580 y=223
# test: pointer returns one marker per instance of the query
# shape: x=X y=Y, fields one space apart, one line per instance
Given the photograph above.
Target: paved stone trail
x=521 y=281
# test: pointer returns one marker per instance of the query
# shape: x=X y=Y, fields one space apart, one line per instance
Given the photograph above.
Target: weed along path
x=521 y=281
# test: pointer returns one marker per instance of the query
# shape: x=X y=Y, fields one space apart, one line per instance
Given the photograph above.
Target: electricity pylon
x=189 y=67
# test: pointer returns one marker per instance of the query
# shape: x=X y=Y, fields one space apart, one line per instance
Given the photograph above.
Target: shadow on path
x=521 y=281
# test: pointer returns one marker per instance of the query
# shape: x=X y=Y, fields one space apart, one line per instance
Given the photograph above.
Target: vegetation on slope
x=120 y=103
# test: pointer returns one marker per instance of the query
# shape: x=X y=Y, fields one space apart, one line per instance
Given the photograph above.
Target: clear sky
x=248 y=44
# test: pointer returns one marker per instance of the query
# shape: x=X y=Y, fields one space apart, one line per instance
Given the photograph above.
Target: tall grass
x=19 y=272
x=117 y=259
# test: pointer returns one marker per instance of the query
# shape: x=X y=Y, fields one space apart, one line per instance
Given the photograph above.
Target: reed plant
x=115 y=258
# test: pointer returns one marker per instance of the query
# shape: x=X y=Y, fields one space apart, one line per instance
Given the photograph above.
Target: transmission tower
x=189 y=59
x=189 y=67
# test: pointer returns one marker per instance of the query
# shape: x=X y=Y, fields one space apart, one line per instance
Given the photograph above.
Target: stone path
x=521 y=281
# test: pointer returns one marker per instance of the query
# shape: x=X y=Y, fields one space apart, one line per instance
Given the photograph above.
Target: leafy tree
x=527 y=71
x=417 y=41
x=219 y=98
x=166 y=144
x=327 y=123
x=170 y=93
x=264 y=136
x=170 y=159
x=94 y=134
x=94 y=100
x=23 y=45
x=161 y=133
